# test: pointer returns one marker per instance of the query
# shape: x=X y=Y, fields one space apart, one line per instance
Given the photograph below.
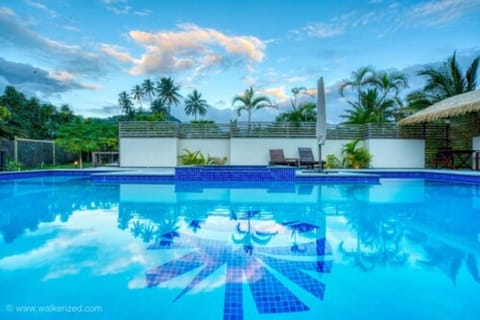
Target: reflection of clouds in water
x=78 y=245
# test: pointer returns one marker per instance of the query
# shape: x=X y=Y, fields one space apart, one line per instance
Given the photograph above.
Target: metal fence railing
x=267 y=130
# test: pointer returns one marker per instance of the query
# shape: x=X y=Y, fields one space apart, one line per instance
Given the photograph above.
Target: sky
x=84 y=53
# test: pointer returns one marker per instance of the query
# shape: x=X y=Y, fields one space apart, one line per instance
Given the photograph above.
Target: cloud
x=440 y=12
x=192 y=48
x=42 y=7
x=73 y=58
x=320 y=30
x=31 y=80
x=277 y=93
x=121 y=7
x=116 y=52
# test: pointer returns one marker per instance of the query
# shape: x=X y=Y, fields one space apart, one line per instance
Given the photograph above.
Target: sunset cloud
x=191 y=48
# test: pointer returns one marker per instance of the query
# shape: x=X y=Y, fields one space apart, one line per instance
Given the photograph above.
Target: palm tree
x=159 y=107
x=370 y=108
x=377 y=95
x=443 y=82
x=167 y=91
x=194 y=104
x=297 y=91
x=137 y=94
x=148 y=87
x=126 y=104
x=360 y=79
x=251 y=103
x=306 y=112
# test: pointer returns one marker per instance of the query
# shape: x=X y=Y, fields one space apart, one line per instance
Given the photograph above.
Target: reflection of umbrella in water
x=458 y=105
x=321 y=125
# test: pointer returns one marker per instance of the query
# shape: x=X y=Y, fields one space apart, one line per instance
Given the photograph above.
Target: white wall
x=396 y=153
x=213 y=147
x=148 y=152
x=163 y=152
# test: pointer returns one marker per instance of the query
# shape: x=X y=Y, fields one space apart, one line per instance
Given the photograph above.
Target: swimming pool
x=403 y=248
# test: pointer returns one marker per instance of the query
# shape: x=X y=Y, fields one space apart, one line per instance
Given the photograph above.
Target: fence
x=266 y=130
x=33 y=154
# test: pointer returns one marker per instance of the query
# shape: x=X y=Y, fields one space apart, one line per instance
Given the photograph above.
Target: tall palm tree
x=137 y=94
x=148 y=87
x=251 y=103
x=359 y=80
x=167 y=91
x=305 y=112
x=370 y=108
x=126 y=104
x=194 y=104
x=443 y=82
x=377 y=95
x=297 y=91
x=159 y=107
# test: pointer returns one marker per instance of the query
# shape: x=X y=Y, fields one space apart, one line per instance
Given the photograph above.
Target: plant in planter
x=197 y=158
x=355 y=157
x=333 y=162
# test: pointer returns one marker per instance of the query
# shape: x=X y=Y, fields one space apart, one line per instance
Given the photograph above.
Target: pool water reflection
x=404 y=248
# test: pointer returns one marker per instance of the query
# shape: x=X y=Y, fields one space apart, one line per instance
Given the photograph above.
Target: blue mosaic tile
x=235 y=173
x=269 y=294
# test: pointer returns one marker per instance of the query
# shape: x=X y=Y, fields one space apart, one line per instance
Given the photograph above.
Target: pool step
x=234 y=173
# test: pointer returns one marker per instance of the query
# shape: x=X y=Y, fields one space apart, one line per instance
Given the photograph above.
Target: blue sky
x=83 y=53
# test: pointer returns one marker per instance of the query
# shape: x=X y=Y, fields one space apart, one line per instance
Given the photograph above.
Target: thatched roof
x=450 y=107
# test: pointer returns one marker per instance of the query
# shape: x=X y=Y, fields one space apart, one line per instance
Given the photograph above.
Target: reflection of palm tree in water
x=163 y=231
x=378 y=239
x=251 y=237
x=450 y=260
x=304 y=229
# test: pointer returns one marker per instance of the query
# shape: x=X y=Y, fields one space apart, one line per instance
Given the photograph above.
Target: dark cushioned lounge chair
x=306 y=158
x=277 y=158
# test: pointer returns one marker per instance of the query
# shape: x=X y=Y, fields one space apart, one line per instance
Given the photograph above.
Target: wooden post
x=15 y=149
x=53 y=151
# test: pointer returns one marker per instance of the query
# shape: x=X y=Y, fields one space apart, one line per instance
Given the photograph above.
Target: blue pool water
x=401 y=249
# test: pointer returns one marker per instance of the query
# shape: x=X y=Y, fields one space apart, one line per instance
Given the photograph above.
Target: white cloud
x=121 y=7
x=277 y=93
x=439 y=12
x=320 y=30
x=62 y=76
x=192 y=48
x=42 y=7
x=116 y=52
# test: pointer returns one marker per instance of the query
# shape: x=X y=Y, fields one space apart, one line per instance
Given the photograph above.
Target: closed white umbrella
x=321 y=127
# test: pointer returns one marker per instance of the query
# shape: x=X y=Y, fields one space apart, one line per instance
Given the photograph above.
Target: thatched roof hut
x=454 y=106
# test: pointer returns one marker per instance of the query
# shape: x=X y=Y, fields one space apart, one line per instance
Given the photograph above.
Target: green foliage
x=354 y=156
x=195 y=104
x=333 y=162
x=27 y=117
x=197 y=158
x=376 y=96
x=13 y=166
x=250 y=102
x=87 y=136
x=443 y=82
x=304 y=113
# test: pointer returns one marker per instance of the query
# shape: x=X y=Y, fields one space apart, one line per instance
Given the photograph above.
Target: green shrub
x=333 y=162
x=355 y=157
x=197 y=158
x=13 y=166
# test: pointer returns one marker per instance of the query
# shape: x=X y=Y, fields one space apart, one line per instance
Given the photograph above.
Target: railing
x=266 y=130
